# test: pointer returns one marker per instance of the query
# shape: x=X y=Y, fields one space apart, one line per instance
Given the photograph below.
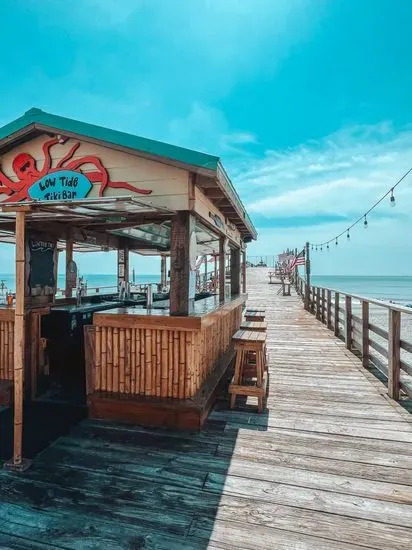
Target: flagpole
x=307 y=276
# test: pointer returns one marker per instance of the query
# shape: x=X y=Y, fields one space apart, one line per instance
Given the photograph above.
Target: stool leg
x=259 y=377
x=237 y=375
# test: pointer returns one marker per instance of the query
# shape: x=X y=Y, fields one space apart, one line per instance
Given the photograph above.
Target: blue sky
x=308 y=102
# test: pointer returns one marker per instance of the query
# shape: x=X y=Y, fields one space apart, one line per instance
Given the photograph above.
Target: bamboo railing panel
x=158 y=362
x=6 y=350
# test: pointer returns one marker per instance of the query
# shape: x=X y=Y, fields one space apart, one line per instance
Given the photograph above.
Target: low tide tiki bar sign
x=68 y=180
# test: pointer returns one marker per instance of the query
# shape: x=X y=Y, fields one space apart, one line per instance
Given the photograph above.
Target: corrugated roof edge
x=144 y=145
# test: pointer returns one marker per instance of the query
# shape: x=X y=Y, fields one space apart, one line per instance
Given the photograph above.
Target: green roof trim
x=144 y=145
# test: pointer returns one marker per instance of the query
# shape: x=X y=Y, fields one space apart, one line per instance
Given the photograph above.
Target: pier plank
x=328 y=465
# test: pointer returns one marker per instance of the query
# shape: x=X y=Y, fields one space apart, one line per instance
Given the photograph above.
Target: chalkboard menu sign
x=42 y=278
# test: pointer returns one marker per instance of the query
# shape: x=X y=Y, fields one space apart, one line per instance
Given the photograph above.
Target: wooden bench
x=250 y=378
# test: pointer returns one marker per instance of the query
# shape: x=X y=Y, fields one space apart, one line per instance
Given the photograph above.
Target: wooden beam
x=348 y=322
x=394 y=352
x=329 y=308
x=336 y=320
x=244 y=286
x=181 y=275
x=17 y=463
x=222 y=268
x=163 y=271
x=307 y=277
x=235 y=271
x=69 y=258
x=365 y=334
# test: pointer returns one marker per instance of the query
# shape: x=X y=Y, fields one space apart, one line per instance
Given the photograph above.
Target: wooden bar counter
x=149 y=367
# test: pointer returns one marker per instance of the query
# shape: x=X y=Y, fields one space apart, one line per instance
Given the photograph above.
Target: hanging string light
x=363 y=217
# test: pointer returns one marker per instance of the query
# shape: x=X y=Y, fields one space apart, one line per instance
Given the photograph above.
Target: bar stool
x=249 y=379
x=257 y=315
x=258 y=326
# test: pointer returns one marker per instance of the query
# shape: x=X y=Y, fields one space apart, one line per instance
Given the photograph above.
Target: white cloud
x=341 y=174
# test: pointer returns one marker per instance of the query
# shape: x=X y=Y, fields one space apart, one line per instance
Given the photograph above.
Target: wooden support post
x=182 y=277
x=163 y=271
x=365 y=334
x=235 y=271
x=336 y=319
x=329 y=309
x=323 y=306
x=244 y=271
x=348 y=322
x=68 y=291
x=222 y=268
x=205 y=280
x=17 y=463
x=307 y=277
x=318 y=304
x=394 y=354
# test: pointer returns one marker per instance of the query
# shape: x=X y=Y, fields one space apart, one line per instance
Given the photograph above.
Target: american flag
x=298 y=260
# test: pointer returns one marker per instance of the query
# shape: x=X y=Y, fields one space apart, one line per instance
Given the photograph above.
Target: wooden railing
x=374 y=330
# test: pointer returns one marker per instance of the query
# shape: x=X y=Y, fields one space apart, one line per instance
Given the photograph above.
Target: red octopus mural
x=25 y=168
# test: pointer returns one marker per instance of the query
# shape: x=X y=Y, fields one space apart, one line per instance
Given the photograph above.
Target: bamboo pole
x=17 y=463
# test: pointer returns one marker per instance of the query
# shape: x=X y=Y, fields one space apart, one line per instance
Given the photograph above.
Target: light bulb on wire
x=392 y=199
x=365 y=223
x=327 y=246
x=347 y=235
x=336 y=242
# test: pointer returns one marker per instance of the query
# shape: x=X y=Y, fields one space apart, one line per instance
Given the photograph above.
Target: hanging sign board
x=42 y=266
x=60 y=186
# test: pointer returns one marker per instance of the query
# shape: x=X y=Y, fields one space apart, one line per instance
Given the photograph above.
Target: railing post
x=365 y=334
x=336 y=322
x=323 y=306
x=318 y=303
x=328 y=309
x=348 y=321
x=394 y=354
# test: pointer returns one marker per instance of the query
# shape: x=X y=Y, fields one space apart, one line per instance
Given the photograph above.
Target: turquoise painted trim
x=144 y=145
x=137 y=143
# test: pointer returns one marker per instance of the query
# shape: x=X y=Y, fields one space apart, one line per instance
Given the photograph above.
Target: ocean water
x=100 y=281
x=397 y=289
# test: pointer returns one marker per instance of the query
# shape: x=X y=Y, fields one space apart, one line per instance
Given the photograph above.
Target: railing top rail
x=381 y=303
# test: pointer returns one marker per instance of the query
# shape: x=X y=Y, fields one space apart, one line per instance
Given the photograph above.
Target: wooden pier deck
x=329 y=466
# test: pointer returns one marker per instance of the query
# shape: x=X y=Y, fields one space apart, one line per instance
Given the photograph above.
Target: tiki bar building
x=151 y=359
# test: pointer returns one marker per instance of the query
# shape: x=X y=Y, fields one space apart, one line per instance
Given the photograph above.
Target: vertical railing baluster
x=348 y=321
x=365 y=333
x=318 y=303
x=394 y=354
x=328 y=309
x=336 y=327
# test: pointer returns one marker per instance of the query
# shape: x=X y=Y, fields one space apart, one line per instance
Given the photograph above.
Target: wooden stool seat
x=249 y=377
x=257 y=316
x=254 y=325
x=255 y=310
